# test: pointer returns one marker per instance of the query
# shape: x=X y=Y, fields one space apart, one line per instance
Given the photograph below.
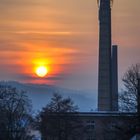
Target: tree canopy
x=128 y=97
x=57 y=119
x=15 y=114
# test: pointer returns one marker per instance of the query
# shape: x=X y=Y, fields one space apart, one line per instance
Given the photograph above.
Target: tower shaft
x=114 y=72
x=104 y=75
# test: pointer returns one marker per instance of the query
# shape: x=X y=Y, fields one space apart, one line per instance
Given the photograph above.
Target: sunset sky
x=63 y=36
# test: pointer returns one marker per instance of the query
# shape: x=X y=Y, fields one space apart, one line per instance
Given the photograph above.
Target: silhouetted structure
x=114 y=72
x=107 y=98
x=104 y=82
x=93 y=126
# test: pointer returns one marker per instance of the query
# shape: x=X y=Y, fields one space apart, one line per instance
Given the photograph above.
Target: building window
x=90 y=138
x=90 y=124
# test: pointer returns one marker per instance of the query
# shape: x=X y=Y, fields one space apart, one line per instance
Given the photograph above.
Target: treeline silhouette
x=58 y=120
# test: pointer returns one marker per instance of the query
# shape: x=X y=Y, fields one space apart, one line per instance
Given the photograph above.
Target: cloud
x=43 y=33
x=54 y=77
x=21 y=2
x=11 y=46
x=66 y=33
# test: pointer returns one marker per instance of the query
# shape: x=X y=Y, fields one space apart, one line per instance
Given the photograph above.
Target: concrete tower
x=114 y=71
x=104 y=75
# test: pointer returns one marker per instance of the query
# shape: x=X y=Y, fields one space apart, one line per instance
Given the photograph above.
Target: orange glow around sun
x=41 y=71
x=41 y=67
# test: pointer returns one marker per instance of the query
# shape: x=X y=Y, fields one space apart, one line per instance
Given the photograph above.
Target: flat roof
x=107 y=113
x=98 y=114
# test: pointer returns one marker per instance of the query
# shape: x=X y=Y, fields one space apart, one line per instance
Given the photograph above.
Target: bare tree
x=15 y=116
x=128 y=97
x=59 y=119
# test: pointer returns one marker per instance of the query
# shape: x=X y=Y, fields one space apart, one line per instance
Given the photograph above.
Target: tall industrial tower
x=105 y=45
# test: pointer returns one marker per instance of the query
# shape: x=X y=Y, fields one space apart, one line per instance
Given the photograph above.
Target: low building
x=101 y=126
x=108 y=125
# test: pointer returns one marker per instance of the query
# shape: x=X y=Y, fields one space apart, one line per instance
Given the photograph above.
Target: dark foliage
x=59 y=119
x=128 y=97
x=15 y=116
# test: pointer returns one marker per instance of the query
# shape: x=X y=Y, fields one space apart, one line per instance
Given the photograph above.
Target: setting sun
x=41 y=71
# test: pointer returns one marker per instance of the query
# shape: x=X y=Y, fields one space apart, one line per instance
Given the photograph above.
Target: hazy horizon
x=40 y=95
